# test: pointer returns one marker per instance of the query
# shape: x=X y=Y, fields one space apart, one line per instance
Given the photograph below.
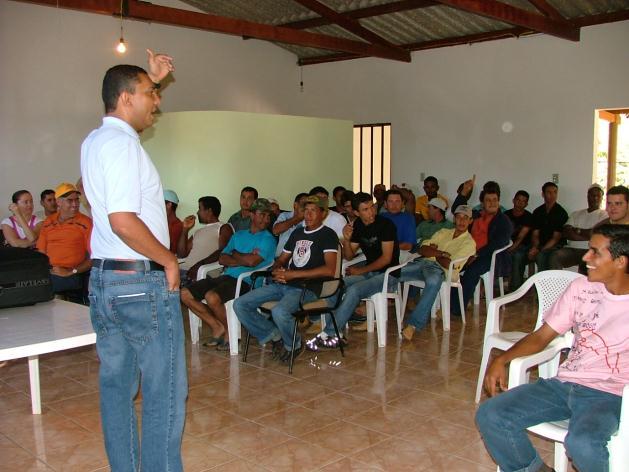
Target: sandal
x=212 y=341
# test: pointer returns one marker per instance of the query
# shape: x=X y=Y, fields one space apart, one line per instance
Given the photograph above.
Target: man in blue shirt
x=404 y=222
x=247 y=250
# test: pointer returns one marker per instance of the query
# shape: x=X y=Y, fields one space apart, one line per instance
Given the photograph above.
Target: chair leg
x=370 y=307
x=481 y=372
x=292 y=351
x=501 y=284
x=561 y=460
x=489 y=289
x=445 y=306
x=405 y=289
x=381 y=310
x=246 y=348
x=461 y=304
x=398 y=315
x=338 y=335
x=477 y=292
x=195 y=327
x=233 y=325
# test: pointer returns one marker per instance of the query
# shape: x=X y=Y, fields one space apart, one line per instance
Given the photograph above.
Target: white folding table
x=52 y=326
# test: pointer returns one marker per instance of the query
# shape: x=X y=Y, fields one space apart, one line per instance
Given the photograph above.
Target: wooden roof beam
x=144 y=11
x=376 y=10
x=433 y=44
x=353 y=26
x=547 y=9
x=516 y=16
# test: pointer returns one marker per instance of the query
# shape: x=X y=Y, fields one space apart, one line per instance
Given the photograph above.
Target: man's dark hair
x=618 y=236
x=118 y=79
x=619 y=190
x=347 y=196
x=524 y=193
x=16 y=196
x=394 y=191
x=45 y=193
x=250 y=189
x=360 y=197
x=490 y=187
x=211 y=203
x=337 y=189
x=431 y=178
x=547 y=185
x=299 y=196
x=318 y=189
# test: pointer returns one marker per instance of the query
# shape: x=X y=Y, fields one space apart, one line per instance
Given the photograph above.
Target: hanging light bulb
x=122 y=46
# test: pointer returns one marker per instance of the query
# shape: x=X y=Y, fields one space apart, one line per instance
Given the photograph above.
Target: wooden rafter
x=433 y=44
x=547 y=9
x=368 y=12
x=516 y=16
x=144 y=11
x=353 y=26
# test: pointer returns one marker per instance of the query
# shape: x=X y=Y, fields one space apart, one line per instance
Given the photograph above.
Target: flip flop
x=212 y=341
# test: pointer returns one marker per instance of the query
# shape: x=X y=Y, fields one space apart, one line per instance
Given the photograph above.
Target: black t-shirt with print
x=518 y=222
x=370 y=239
x=308 y=248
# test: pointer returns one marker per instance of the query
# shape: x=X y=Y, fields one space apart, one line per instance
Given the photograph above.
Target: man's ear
x=124 y=99
x=622 y=262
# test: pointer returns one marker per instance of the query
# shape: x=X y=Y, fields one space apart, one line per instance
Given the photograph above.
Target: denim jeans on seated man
x=139 y=335
x=357 y=287
x=281 y=323
x=431 y=273
x=594 y=417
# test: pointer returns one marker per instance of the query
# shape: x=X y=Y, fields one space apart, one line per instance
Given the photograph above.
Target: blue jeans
x=139 y=333
x=519 y=261
x=594 y=417
x=357 y=287
x=431 y=273
x=281 y=323
x=469 y=280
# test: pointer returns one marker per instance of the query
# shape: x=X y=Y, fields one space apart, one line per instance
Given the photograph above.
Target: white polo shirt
x=119 y=176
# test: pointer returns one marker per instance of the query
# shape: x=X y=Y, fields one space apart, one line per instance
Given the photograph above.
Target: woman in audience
x=22 y=228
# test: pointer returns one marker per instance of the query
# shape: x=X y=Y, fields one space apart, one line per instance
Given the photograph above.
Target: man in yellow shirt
x=431 y=187
x=437 y=252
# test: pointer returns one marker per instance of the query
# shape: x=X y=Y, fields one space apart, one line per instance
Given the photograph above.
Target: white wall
x=446 y=107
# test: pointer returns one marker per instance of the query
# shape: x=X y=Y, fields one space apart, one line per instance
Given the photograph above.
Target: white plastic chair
x=557 y=430
x=550 y=285
x=444 y=294
x=488 y=279
x=233 y=325
x=377 y=307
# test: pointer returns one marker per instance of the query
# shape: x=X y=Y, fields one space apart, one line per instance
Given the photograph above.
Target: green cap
x=263 y=205
x=320 y=202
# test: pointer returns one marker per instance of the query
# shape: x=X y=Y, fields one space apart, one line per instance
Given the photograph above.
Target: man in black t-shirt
x=548 y=221
x=522 y=221
x=310 y=252
x=377 y=237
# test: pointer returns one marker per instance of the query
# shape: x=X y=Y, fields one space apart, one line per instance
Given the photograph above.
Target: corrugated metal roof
x=429 y=23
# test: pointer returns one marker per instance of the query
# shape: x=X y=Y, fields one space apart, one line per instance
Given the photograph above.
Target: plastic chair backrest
x=550 y=285
x=330 y=287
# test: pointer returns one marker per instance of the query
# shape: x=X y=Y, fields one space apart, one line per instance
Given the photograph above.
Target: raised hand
x=160 y=65
x=189 y=221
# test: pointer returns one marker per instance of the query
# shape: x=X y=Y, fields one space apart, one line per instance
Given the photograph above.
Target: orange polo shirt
x=66 y=243
x=480 y=230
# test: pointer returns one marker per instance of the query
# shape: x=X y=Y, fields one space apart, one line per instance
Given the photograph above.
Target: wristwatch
x=75 y=271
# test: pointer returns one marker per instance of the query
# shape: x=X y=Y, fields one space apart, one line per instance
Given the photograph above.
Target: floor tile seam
x=384 y=437
x=278 y=429
x=263 y=414
x=18 y=445
x=461 y=456
x=470 y=401
x=468 y=460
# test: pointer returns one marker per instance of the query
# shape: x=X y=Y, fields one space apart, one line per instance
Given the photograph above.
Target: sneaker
x=408 y=332
x=356 y=318
x=285 y=356
x=322 y=342
x=276 y=348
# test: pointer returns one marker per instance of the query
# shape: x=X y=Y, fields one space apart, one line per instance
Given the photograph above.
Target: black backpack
x=24 y=277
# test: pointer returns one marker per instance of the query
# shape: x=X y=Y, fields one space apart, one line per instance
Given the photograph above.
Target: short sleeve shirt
x=371 y=237
x=239 y=223
x=307 y=248
x=285 y=216
x=246 y=242
x=405 y=225
x=549 y=222
x=584 y=220
x=459 y=247
x=519 y=222
x=427 y=228
x=12 y=222
x=421 y=205
x=599 y=357
x=66 y=243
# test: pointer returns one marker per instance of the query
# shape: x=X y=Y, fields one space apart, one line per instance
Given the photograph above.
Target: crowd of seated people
x=388 y=227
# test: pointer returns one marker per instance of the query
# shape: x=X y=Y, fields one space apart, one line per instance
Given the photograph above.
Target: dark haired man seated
x=588 y=387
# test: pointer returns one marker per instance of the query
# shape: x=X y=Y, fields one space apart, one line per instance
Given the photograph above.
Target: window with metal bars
x=372 y=156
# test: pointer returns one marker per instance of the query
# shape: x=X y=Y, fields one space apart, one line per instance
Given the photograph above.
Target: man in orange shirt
x=65 y=239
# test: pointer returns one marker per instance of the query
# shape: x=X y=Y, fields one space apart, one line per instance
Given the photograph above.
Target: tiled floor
x=408 y=406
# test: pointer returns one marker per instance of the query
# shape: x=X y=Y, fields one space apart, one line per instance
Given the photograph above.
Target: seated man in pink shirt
x=588 y=387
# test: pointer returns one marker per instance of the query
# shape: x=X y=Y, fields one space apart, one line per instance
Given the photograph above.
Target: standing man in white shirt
x=134 y=283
